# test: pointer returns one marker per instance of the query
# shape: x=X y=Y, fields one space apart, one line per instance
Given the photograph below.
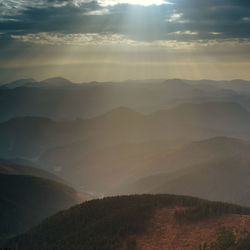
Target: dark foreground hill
x=135 y=222
x=26 y=200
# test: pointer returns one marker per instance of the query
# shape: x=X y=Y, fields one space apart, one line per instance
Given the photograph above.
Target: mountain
x=26 y=200
x=20 y=83
x=227 y=117
x=216 y=169
x=180 y=88
x=137 y=222
x=90 y=151
x=21 y=161
x=28 y=137
x=236 y=85
x=200 y=151
x=58 y=98
x=224 y=179
x=106 y=168
x=17 y=167
x=55 y=82
x=119 y=168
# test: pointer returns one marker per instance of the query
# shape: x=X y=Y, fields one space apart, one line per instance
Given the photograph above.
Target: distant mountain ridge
x=243 y=85
x=186 y=122
x=55 y=82
x=58 y=98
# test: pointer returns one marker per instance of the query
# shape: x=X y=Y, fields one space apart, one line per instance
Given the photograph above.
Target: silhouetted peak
x=58 y=81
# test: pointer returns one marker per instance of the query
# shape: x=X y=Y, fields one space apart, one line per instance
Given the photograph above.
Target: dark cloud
x=224 y=16
x=198 y=19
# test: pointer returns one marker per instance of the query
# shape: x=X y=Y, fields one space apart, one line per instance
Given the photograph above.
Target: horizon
x=124 y=80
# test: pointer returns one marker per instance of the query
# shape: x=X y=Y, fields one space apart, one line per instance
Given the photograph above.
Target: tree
x=225 y=238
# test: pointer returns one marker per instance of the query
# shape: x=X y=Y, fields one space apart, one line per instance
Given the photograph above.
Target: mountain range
x=58 y=98
x=63 y=142
x=123 y=151
x=204 y=168
x=29 y=137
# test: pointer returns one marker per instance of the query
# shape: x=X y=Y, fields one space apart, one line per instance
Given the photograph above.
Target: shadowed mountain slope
x=12 y=168
x=26 y=200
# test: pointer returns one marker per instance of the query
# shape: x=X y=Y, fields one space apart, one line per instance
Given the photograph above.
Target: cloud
x=100 y=12
x=45 y=32
x=87 y=39
x=15 y=7
x=121 y=41
x=185 y=32
x=208 y=19
x=176 y=17
x=247 y=19
x=135 y=2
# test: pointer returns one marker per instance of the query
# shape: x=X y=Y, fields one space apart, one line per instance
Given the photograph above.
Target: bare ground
x=165 y=233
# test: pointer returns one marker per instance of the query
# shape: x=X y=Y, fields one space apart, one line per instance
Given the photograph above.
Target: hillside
x=20 y=167
x=26 y=200
x=224 y=179
x=125 y=168
x=134 y=222
x=199 y=152
x=203 y=169
x=113 y=165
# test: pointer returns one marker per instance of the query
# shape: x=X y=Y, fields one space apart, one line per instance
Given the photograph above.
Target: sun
x=134 y=2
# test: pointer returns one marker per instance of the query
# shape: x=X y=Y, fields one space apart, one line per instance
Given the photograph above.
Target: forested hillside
x=117 y=222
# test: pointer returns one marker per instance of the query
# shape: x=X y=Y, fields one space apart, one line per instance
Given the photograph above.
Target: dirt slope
x=165 y=233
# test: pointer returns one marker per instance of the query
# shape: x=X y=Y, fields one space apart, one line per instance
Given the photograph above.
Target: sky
x=106 y=40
